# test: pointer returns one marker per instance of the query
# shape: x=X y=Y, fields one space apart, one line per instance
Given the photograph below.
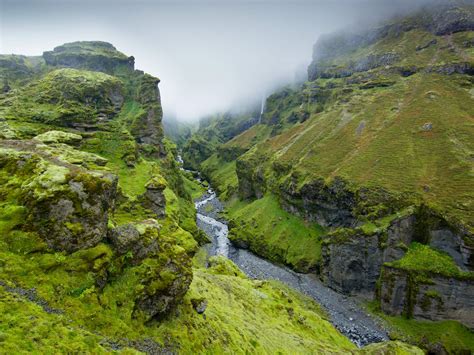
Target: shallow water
x=344 y=312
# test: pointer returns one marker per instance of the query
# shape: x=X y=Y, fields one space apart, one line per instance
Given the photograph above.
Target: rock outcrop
x=164 y=268
x=154 y=198
x=68 y=97
x=91 y=55
x=68 y=206
x=147 y=128
x=436 y=297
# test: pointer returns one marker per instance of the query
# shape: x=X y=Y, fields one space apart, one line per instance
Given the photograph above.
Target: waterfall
x=262 y=108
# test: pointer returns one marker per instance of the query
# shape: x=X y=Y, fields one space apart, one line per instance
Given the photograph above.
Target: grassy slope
x=391 y=149
x=242 y=315
x=274 y=233
x=454 y=336
x=375 y=137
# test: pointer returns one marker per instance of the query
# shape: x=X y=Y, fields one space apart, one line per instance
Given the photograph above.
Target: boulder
x=67 y=206
x=141 y=239
x=154 y=198
x=59 y=137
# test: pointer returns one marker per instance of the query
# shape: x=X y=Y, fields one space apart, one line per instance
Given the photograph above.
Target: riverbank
x=345 y=313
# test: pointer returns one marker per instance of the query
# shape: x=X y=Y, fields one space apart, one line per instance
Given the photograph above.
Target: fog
x=209 y=55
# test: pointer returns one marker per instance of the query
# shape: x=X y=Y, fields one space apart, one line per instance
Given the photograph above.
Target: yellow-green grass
x=377 y=139
x=222 y=175
x=454 y=336
x=274 y=233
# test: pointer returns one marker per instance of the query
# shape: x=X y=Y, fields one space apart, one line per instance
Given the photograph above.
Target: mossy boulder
x=59 y=137
x=140 y=239
x=162 y=268
x=154 y=197
x=66 y=205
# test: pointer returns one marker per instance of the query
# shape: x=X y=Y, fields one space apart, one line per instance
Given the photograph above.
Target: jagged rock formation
x=75 y=129
x=147 y=127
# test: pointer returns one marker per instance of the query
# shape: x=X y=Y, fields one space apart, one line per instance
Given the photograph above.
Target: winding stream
x=344 y=312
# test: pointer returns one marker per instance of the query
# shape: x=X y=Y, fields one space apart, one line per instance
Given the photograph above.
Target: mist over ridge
x=210 y=56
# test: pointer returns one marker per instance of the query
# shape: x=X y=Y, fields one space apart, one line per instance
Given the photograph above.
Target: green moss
x=26 y=327
x=222 y=175
x=454 y=336
x=58 y=137
x=393 y=348
x=423 y=259
x=65 y=97
x=274 y=233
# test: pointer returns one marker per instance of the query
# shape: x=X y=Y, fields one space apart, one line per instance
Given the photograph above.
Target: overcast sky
x=209 y=55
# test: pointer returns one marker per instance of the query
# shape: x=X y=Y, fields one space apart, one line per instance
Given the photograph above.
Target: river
x=345 y=313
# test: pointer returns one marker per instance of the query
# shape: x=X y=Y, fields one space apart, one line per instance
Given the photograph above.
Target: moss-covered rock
x=161 y=266
x=427 y=284
x=91 y=55
x=66 y=205
x=154 y=197
x=146 y=127
x=59 y=137
x=67 y=97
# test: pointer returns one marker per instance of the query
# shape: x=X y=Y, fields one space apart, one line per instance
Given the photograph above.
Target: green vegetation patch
x=423 y=259
x=267 y=229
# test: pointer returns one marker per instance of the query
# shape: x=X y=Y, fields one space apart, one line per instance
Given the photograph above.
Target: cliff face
x=439 y=21
x=83 y=174
x=95 y=56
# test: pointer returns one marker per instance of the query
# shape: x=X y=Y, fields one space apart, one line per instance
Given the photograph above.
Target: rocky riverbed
x=345 y=313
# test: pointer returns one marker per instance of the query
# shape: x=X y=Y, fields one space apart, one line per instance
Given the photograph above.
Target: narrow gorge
x=324 y=212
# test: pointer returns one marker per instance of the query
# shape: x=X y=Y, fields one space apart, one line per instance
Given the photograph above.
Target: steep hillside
x=98 y=238
x=214 y=131
x=374 y=155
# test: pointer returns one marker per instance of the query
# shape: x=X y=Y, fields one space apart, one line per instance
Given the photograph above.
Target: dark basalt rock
x=329 y=205
x=352 y=260
x=154 y=199
x=147 y=128
x=436 y=298
x=453 y=68
x=91 y=55
x=67 y=205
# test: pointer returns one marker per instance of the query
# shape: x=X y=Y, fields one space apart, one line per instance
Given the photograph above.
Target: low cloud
x=209 y=55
